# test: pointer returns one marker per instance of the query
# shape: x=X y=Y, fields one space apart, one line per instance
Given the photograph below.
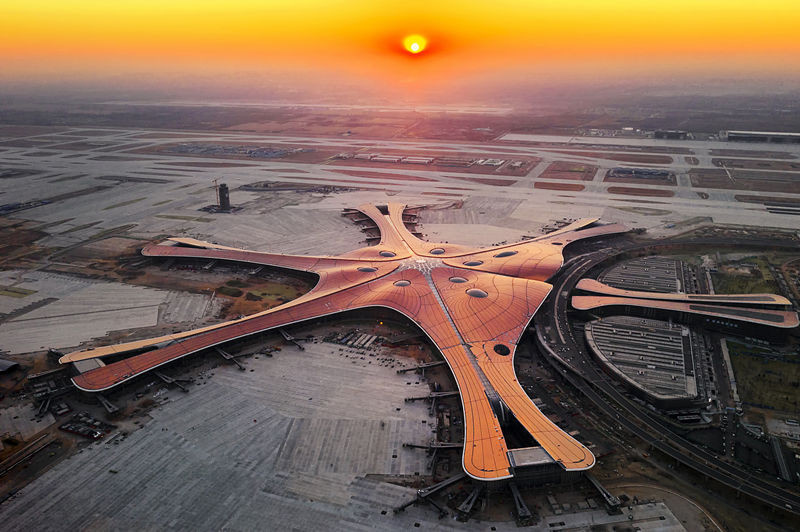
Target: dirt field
x=267 y=291
x=24 y=131
x=763 y=381
x=487 y=181
x=646 y=211
x=172 y=136
x=203 y=164
x=382 y=175
x=772 y=182
x=752 y=153
x=669 y=181
x=790 y=270
x=118 y=158
x=448 y=194
x=22 y=143
x=453 y=188
x=505 y=169
x=96 y=132
x=87 y=145
x=756 y=164
x=260 y=294
x=641 y=201
x=572 y=187
x=18 y=239
x=113 y=248
x=730 y=281
x=359 y=185
x=315 y=156
x=604 y=148
x=459 y=126
x=766 y=199
x=108 y=259
x=315 y=122
x=624 y=157
x=746 y=276
x=289 y=170
x=630 y=191
x=566 y=170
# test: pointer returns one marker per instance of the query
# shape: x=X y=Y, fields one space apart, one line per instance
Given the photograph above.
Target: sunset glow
x=415 y=43
x=63 y=36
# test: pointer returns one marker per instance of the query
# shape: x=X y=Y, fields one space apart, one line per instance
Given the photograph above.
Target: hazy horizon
x=352 y=50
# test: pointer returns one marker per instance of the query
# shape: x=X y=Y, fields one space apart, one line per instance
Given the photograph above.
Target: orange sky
x=56 y=37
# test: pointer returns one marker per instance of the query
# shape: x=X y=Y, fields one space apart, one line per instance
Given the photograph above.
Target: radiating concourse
x=473 y=304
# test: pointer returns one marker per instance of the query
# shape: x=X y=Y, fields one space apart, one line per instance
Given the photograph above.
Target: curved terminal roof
x=591 y=285
x=772 y=318
x=473 y=304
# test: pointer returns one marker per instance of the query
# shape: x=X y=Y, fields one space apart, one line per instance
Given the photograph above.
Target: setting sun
x=415 y=43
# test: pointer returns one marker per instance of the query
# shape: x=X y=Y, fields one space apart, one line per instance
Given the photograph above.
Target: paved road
x=779 y=458
x=578 y=368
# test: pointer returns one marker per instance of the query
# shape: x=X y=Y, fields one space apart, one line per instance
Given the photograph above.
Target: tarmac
x=250 y=450
x=267 y=449
x=82 y=309
x=162 y=193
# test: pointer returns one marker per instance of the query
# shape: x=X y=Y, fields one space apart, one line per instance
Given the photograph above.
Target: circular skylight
x=502 y=349
x=477 y=292
x=505 y=254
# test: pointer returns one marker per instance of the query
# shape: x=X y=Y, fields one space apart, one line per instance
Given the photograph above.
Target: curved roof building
x=768 y=310
x=769 y=300
x=473 y=304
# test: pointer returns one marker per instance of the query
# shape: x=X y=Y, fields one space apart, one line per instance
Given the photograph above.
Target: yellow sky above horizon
x=52 y=37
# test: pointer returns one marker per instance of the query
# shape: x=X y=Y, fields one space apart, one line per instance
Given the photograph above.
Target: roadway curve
x=582 y=373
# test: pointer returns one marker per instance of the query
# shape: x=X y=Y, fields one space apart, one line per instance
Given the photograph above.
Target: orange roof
x=591 y=285
x=772 y=318
x=473 y=304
